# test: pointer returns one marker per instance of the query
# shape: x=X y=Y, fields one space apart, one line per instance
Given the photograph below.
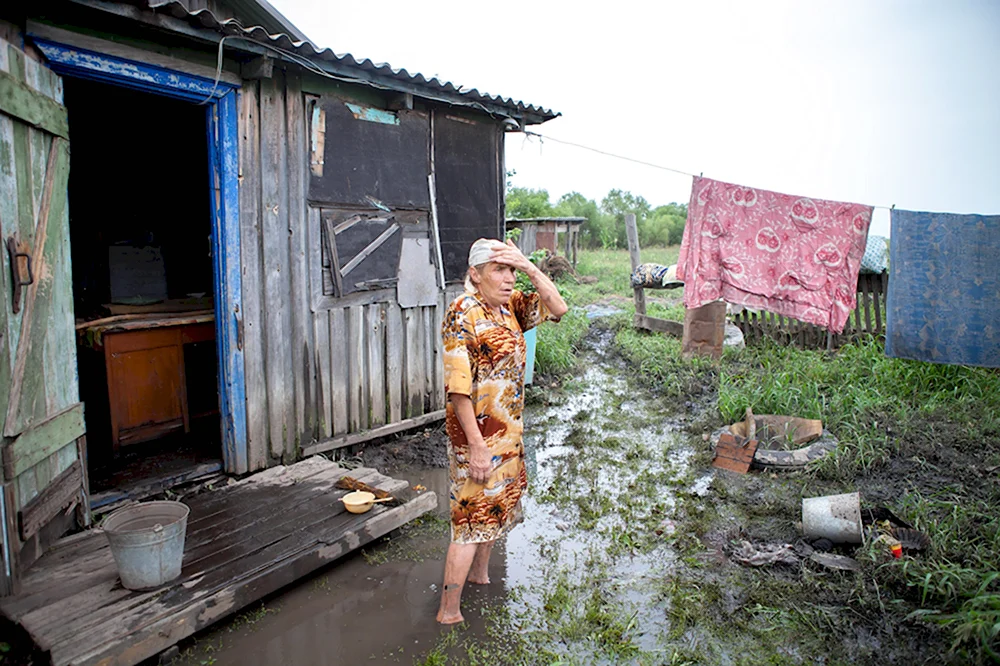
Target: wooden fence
x=867 y=319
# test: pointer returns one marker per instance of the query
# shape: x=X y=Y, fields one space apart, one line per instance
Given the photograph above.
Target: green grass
x=868 y=400
x=557 y=343
x=889 y=412
x=926 y=434
x=613 y=269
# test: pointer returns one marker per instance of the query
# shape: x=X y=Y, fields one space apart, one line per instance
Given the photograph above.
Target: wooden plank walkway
x=243 y=542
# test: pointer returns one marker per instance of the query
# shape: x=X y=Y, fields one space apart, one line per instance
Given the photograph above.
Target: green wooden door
x=42 y=445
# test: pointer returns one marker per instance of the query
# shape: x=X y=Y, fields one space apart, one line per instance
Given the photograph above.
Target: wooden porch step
x=243 y=543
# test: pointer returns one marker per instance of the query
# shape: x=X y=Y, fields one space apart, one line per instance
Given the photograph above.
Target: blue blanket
x=943 y=304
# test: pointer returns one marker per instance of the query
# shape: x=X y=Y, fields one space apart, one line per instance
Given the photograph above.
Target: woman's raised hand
x=510 y=255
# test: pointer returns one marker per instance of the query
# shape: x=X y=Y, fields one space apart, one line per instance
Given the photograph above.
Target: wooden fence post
x=632 y=233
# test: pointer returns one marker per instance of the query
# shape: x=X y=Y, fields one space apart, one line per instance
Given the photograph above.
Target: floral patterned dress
x=484 y=358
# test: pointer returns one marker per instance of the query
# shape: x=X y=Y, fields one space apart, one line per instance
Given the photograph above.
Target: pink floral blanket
x=786 y=254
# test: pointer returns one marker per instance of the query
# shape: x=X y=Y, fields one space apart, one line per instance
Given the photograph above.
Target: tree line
x=605 y=225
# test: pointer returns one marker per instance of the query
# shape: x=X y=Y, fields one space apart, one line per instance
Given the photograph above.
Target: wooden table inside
x=144 y=359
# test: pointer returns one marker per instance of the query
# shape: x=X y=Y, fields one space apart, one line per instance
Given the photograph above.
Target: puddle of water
x=353 y=611
x=603 y=471
x=595 y=310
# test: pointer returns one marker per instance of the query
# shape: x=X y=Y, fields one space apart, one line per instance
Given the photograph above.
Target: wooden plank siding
x=250 y=249
x=868 y=319
x=276 y=285
x=302 y=368
x=322 y=371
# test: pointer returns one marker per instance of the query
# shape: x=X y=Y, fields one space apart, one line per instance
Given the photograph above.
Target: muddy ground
x=624 y=557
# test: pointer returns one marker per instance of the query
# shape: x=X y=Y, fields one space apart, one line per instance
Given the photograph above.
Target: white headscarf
x=480 y=254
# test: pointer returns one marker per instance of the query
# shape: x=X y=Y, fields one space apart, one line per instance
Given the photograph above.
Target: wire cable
x=542 y=138
x=316 y=69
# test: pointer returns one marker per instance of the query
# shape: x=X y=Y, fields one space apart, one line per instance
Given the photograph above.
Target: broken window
x=360 y=250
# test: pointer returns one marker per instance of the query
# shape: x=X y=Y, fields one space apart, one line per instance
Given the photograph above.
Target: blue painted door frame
x=220 y=100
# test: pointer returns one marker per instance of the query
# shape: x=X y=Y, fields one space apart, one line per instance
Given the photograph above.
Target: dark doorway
x=140 y=227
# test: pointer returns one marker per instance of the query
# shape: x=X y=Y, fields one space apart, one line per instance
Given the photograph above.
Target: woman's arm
x=510 y=255
x=480 y=460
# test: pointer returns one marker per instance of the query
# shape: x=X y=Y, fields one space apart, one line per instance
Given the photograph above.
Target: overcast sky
x=872 y=101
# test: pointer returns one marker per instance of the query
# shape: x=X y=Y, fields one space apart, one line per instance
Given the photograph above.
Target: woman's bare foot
x=449 y=618
x=450 y=610
x=482 y=579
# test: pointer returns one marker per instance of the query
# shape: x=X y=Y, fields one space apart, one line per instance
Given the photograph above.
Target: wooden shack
x=224 y=249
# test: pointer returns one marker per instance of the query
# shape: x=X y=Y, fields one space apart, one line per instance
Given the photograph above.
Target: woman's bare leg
x=480 y=572
x=456 y=569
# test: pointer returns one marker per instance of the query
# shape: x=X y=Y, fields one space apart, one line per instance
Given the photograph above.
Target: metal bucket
x=833 y=517
x=147 y=542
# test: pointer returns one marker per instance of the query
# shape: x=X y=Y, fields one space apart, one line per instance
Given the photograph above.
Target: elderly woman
x=484 y=362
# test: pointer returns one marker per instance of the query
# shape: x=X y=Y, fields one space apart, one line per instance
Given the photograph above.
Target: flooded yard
x=584 y=577
x=625 y=555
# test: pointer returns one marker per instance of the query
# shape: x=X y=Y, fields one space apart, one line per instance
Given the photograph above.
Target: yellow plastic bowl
x=358 y=501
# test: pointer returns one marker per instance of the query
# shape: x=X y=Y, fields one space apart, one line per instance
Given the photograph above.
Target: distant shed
x=538 y=233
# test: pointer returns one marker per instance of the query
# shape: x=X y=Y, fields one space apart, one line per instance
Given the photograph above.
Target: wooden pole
x=632 y=232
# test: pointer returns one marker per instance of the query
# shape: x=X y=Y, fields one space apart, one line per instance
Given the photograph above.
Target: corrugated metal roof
x=206 y=19
x=264 y=13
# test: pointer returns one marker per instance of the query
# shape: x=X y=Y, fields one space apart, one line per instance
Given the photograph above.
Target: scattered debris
x=834 y=517
x=895 y=547
x=734 y=337
x=780 y=429
x=762 y=555
x=350 y=483
x=881 y=514
x=883 y=525
x=912 y=539
x=419 y=488
x=775 y=434
x=834 y=561
x=734 y=453
x=803 y=549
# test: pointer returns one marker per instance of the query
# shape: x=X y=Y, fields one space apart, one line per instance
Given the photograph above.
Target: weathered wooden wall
x=320 y=371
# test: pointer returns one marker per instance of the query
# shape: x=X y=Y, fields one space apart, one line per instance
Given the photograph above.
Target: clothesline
x=681 y=172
